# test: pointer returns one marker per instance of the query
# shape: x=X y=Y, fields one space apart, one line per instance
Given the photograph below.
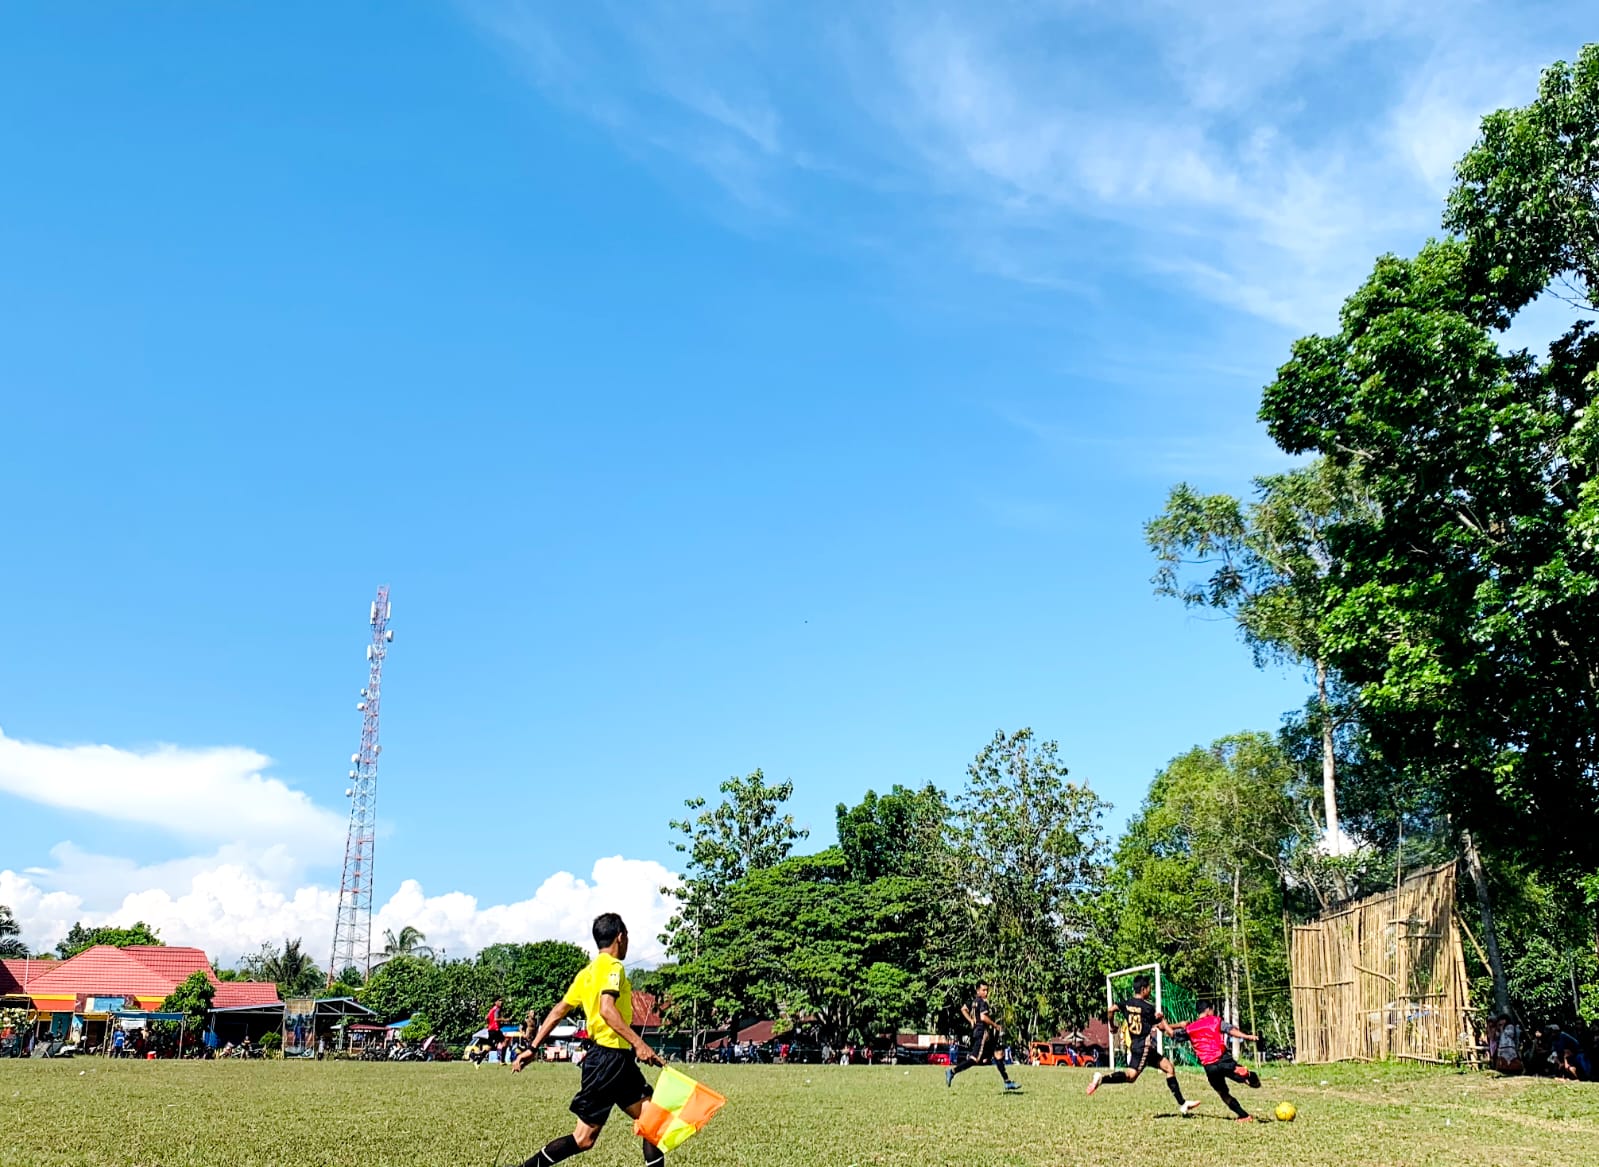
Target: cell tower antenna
x=352 y=931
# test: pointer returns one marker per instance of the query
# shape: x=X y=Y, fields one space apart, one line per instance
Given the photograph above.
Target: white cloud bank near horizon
x=252 y=887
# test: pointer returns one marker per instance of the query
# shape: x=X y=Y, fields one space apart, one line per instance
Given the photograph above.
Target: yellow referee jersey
x=604 y=974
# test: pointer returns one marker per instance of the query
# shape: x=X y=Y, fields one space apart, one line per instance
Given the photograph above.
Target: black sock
x=1114 y=1078
x=562 y=1148
x=653 y=1155
x=1000 y=1066
x=962 y=1066
x=1176 y=1090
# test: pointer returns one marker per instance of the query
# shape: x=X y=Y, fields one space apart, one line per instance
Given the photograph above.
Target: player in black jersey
x=986 y=1033
x=1143 y=1022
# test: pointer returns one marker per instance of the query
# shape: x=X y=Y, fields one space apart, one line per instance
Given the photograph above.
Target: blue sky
x=717 y=386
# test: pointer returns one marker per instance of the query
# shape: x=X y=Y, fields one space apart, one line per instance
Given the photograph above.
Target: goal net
x=1176 y=1003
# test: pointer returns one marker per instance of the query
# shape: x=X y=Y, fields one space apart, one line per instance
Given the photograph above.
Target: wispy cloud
x=1257 y=155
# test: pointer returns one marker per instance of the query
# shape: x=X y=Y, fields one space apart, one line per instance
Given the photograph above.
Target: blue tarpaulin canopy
x=145 y=1015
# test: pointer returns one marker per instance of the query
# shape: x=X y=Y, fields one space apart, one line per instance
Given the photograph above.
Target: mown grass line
x=273 y=1114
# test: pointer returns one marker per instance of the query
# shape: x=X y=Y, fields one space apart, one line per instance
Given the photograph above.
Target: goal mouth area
x=1175 y=1003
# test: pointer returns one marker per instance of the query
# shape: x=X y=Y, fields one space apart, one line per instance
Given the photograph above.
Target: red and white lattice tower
x=352 y=931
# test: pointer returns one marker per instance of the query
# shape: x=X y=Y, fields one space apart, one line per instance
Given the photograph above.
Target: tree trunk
x=1329 y=764
x=1490 y=935
x=1234 y=1012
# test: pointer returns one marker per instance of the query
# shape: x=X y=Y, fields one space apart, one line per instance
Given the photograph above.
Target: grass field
x=242 y=1114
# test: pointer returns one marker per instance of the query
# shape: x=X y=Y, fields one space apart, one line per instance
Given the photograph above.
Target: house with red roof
x=85 y=990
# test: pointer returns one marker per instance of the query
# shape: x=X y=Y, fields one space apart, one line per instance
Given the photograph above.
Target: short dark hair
x=607 y=927
x=982 y=984
x=1207 y=1006
x=1141 y=982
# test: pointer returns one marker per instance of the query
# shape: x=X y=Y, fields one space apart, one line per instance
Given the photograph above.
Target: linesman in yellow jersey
x=611 y=1076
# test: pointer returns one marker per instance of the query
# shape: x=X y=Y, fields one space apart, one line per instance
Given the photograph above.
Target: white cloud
x=252 y=887
x=207 y=794
x=229 y=909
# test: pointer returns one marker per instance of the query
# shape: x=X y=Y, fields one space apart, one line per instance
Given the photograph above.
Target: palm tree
x=11 y=945
x=292 y=968
x=407 y=943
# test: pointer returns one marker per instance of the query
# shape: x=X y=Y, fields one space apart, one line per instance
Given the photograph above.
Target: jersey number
x=1135 y=1023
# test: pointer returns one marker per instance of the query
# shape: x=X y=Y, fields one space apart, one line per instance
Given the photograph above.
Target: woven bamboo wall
x=1383 y=977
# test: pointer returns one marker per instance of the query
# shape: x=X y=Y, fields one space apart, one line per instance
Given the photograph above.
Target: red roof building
x=241 y=994
x=142 y=977
x=646 y=1011
x=12 y=978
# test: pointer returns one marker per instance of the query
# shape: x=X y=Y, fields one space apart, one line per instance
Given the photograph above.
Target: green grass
x=242 y=1114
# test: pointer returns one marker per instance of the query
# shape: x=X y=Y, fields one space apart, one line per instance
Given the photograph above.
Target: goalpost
x=1173 y=1001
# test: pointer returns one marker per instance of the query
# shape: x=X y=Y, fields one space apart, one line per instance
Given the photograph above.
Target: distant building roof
x=234 y=994
x=102 y=971
x=1096 y=1032
x=646 y=1010
x=142 y=971
x=12 y=975
x=177 y=964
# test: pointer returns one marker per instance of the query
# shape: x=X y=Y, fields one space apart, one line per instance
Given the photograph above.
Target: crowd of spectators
x=1548 y=1050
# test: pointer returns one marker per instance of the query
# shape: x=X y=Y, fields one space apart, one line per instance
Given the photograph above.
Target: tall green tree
x=532 y=976
x=1203 y=868
x=401 y=987
x=1465 y=609
x=193 y=999
x=1526 y=193
x=747 y=831
x=11 y=945
x=805 y=942
x=898 y=833
x=1029 y=855
x=1267 y=565
x=80 y=936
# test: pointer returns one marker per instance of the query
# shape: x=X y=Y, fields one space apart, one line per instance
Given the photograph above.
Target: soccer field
x=238 y=1114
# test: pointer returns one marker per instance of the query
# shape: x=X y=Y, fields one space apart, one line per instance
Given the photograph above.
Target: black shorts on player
x=1223 y=1071
x=1145 y=1055
x=982 y=1044
x=611 y=1077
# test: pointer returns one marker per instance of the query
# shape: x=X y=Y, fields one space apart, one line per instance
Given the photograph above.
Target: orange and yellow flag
x=680 y=1107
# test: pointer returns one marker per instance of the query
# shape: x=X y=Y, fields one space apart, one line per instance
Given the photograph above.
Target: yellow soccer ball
x=1286 y=1112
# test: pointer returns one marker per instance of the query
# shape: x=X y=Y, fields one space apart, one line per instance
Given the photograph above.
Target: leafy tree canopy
x=192 y=998
x=898 y=833
x=80 y=936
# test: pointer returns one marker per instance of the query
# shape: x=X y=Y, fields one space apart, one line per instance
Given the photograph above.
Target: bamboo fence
x=1384 y=977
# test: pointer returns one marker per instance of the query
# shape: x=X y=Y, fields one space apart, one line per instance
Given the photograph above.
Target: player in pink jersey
x=1208 y=1034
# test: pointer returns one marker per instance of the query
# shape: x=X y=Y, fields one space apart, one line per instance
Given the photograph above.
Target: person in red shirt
x=1208 y=1034
x=496 y=1035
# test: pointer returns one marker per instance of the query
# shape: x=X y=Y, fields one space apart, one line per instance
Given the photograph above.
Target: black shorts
x=983 y=1043
x=611 y=1077
x=1224 y=1069
x=496 y=1036
x=1144 y=1055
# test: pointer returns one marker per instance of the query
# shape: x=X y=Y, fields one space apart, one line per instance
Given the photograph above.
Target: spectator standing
x=1507 y=1054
